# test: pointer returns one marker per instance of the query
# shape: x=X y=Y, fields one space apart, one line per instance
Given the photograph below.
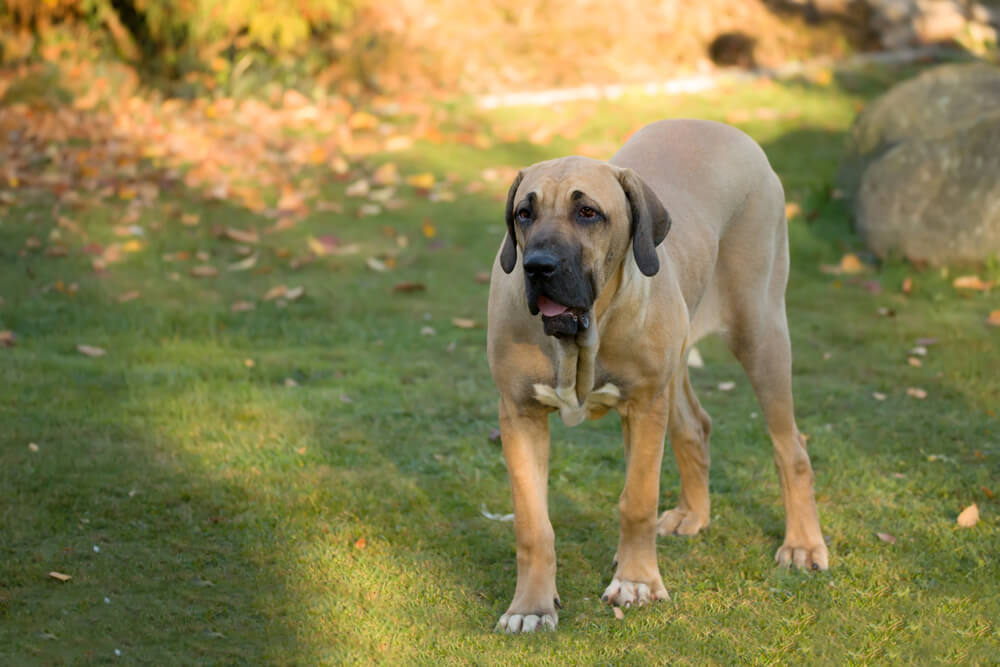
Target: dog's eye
x=524 y=215
x=587 y=213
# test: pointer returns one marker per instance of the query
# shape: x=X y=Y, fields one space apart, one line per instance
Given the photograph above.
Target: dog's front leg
x=637 y=576
x=525 y=438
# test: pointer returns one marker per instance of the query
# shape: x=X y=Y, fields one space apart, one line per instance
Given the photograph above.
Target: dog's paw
x=803 y=556
x=513 y=623
x=627 y=593
x=681 y=522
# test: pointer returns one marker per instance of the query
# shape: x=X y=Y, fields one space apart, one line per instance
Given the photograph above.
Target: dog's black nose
x=540 y=263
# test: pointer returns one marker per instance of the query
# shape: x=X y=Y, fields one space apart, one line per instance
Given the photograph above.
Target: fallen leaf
x=204 y=271
x=421 y=181
x=398 y=142
x=275 y=292
x=367 y=210
x=913 y=361
x=249 y=363
x=886 y=537
x=919 y=350
x=362 y=120
x=131 y=295
x=242 y=235
x=134 y=245
x=321 y=246
x=878 y=396
x=60 y=576
x=463 y=323
x=90 y=350
x=190 y=219
x=916 y=392
x=376 y=264
x=792 y=210
x=358 y=188
x=969 y=516
x=726 y=386
x=242 y=306
x=427 y=331
x=409 y=287
x=989 y=494
x=907 y=286
x=360 y=543
x=994 y=318
x=971 y=282
x=294 y=293
x=244 y=264
x=387 y=174
x=7 y=338
x=32 y=447
x=619 y=614
x=428 y=228
x=483 y=277
x=850 y=264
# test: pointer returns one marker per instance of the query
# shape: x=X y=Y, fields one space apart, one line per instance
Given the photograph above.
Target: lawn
x=304 y=481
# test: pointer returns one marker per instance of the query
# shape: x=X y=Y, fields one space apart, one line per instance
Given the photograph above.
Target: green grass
x=209 y=513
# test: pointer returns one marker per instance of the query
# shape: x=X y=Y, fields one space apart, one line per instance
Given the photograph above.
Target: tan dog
x=620 y=302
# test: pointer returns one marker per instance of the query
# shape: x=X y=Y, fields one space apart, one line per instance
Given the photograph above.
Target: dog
x=609 y=272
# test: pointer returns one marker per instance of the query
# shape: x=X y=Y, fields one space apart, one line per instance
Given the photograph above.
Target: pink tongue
x=550 y=308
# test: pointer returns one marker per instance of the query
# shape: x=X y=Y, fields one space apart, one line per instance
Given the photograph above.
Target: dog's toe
x=625 y=593
x=681 y=522
x=803 y=557
x=521 y=623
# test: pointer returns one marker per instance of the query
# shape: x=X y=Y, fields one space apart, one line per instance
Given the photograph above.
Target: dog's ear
x=650 y=220
x=508 y=254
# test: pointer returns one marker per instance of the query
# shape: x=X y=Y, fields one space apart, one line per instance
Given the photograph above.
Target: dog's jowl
x=609 y=272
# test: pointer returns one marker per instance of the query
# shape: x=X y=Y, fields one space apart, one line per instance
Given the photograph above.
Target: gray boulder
x=922 y=167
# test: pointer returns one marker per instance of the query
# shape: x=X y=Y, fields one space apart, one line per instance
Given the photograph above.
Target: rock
x=936 y=200
x=923 y=170
x=936 y=103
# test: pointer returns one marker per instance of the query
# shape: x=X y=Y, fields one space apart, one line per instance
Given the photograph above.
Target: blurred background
x=358 y=47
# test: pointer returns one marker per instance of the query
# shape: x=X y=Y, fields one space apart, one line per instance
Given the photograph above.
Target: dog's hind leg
x=689 y=430
x=758 y=337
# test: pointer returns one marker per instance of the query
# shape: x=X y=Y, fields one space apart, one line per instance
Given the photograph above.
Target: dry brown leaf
x=362 y=120
x=913 y=361
x=994 y=318
x=792 y=210
x=134 y=245
x=463 y=323
x=878 y=396
x=242 y=306
x=360 y=543
x=275 y=292
x=131 y=295
x=850 y=264
x=190 y=219
x=916 y=392
x=387 y=174
x=7 y=338
x=482 y=277
x=971 y=282
x=242 y=235
x=90 y=350
x=886 y=537
x=409 y=287
x=907 y=286
x=293 y=293
x=60 y=576
x=204 y=271
x=969 y=516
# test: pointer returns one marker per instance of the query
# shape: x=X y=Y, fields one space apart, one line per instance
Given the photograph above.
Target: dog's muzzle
x=557 y=289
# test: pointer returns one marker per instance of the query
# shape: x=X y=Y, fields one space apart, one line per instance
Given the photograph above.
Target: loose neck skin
x=576 y=361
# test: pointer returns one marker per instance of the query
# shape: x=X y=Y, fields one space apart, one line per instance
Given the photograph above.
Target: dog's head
x=573 y=220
